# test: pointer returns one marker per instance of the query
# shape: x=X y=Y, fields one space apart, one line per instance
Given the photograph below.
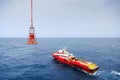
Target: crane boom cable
x=31 y=13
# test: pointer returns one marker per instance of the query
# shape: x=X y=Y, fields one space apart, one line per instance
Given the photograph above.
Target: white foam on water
x=107 y=75
x=99 y=73
x=109 y=72
x=115 y=73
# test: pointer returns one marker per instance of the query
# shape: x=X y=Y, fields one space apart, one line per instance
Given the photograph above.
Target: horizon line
x=61 y=37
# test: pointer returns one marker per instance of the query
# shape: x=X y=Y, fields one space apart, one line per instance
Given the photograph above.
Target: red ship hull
x=75 y=64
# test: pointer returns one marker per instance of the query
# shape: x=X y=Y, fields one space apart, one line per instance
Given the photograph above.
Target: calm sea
x=19 y=61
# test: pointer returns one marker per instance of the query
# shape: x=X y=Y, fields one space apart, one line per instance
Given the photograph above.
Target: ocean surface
x=19 y=61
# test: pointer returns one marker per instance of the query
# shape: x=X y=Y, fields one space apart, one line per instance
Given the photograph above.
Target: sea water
x=19 y=61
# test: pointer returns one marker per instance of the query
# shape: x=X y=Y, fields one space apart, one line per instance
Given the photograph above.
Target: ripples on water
x=19 y=61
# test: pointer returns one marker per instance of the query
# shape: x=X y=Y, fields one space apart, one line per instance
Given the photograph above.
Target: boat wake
x=108 y=75
x=115 y=73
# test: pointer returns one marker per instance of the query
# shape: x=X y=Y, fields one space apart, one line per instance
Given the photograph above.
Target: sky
x=61 y=18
